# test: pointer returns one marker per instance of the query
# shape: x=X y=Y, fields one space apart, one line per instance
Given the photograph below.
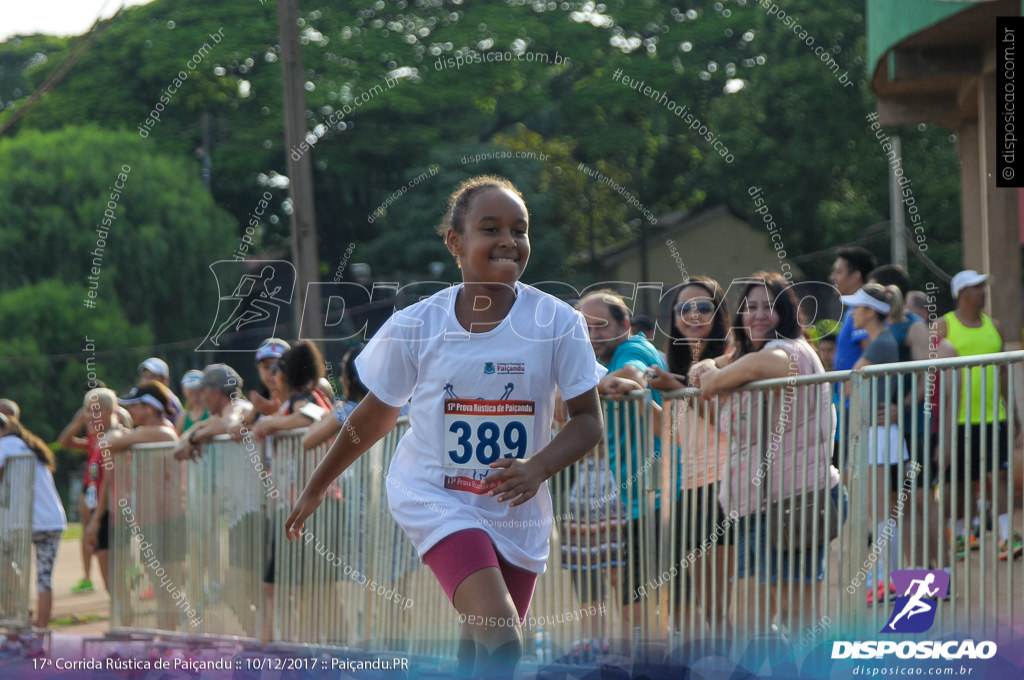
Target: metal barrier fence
x=641 y=550
x=186 y=542
x=943 y=466
x=16 y=491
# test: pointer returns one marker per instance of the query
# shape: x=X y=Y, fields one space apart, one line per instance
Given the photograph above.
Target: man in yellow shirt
x=983 y=414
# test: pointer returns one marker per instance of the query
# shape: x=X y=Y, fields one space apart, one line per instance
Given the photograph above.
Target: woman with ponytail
x=48 y=519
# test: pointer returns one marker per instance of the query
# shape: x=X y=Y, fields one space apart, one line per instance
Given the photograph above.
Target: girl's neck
x=874 y=328
x=480 y=307
x=697 y=346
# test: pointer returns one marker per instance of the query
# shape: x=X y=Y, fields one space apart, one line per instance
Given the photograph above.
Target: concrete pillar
x=999 y=244
x=970 y=195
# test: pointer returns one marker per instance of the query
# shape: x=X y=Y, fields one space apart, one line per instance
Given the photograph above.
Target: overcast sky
x=56 y=17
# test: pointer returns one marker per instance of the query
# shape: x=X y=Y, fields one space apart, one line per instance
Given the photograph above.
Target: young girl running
x=481 y=362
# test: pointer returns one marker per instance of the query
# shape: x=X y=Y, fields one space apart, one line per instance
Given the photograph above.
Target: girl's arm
x=146 y=434
x=321 y=431
x=270 y=424
x=369 y=422
x=69 y=438
x=518 y=480
x=663 y=380
x=762 y=365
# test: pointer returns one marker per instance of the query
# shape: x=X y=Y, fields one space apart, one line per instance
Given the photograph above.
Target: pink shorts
x=457 y=556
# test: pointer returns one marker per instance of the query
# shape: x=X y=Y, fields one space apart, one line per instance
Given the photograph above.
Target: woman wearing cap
x=162 y=516
x=297 y=374
x=267 y=401
x=294 y=376
x=148 y=403
x=871 y=306
x=194 y=411
x=156 y=369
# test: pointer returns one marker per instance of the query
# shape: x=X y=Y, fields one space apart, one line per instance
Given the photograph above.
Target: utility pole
x=207 y=171
x=300 y=174
x=899 y=237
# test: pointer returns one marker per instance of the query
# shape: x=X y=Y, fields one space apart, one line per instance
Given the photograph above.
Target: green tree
x=52 y=346
x=150 y=259
x=803 y=137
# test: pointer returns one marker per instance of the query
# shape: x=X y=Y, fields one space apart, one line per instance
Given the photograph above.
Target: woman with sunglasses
x=699 y=328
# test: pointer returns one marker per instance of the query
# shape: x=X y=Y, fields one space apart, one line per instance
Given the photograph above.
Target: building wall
x=723 y=248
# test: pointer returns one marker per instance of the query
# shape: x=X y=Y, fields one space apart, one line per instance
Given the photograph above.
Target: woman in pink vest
x=780 y=446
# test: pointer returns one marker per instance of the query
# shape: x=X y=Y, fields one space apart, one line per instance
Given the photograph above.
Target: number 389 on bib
x=478 y=432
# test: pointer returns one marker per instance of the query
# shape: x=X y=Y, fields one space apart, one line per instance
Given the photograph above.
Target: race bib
x=478 y=432
x=91 y=497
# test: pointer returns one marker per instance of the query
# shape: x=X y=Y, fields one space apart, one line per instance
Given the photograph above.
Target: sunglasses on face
x=701 y=306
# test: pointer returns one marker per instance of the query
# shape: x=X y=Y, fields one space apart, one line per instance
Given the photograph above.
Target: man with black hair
x=849 y=272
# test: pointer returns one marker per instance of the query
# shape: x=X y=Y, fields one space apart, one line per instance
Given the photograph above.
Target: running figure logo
x=253 y=305
x=914 y=612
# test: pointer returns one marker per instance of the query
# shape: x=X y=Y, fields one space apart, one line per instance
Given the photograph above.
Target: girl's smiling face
x=694 y=322
x=493 y=246
x=760 y=317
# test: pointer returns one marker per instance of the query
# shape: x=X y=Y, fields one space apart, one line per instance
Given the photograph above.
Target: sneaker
x=878 y=594
x=84 y=585
x=962 y=546
x=1005 y=550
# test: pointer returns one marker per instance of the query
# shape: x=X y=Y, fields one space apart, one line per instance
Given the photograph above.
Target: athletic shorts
x=918 y=455
x=46 y=543
x=103 y=535
x=896 y=482
x=997 y=443
x=457 y=556
x=699 y=519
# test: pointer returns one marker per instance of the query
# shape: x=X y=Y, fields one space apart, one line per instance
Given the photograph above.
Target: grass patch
x=74 y=620
x=73 y=532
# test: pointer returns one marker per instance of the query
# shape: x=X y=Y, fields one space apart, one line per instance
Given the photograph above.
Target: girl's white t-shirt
x=47 y=510
x=475 y=397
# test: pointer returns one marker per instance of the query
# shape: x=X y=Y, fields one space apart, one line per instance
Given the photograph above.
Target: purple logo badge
x=914 y=611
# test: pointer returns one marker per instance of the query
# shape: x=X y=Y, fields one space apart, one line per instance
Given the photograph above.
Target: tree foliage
x=152 y=256
x=399 y=96
x=52 y=345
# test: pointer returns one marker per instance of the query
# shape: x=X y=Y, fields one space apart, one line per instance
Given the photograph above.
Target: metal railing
x=16 y=496
x=641 y=551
